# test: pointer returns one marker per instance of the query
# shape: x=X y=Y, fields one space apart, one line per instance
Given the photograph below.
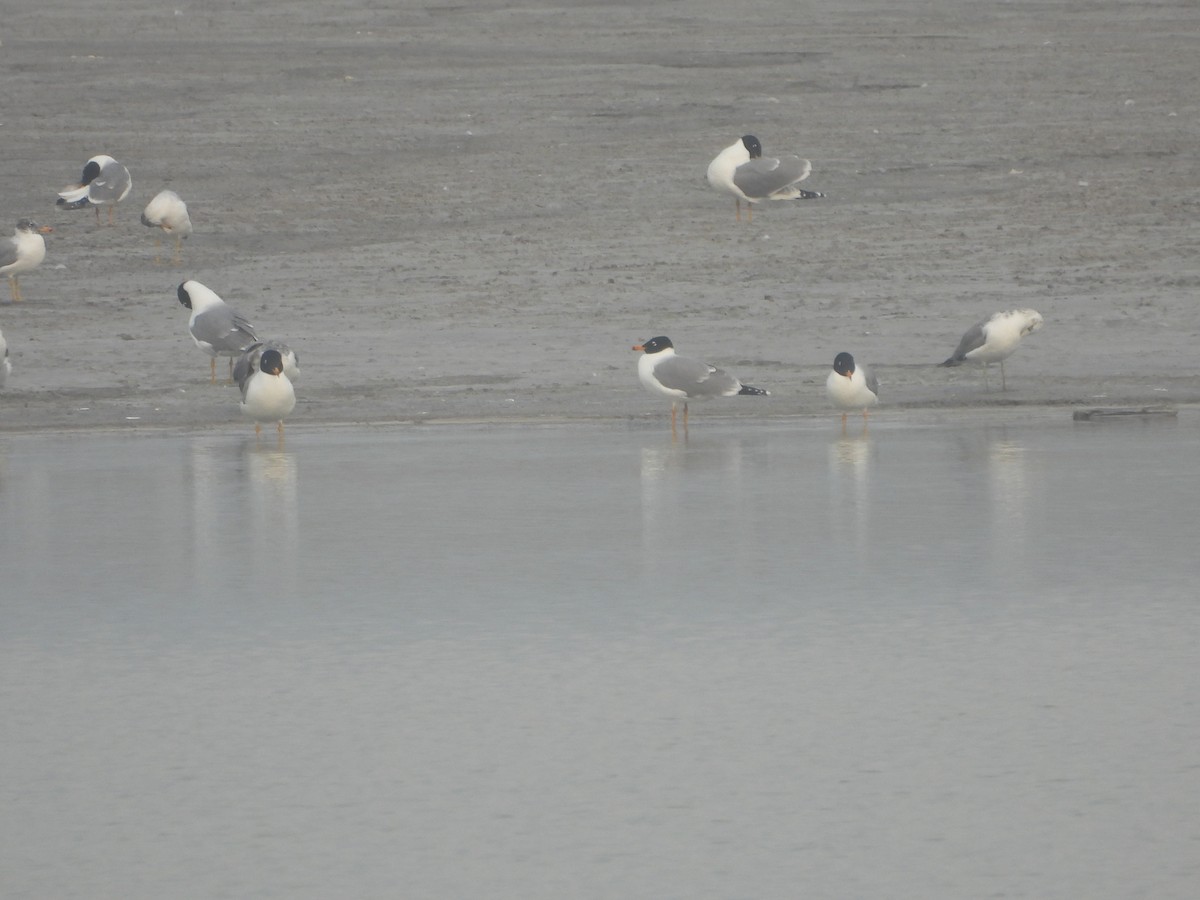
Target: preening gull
x=741 y=169
x=104 y=182
x=994 y=340
x=216 y=327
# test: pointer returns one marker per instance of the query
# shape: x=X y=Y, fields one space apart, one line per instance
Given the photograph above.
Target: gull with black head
x=216 y=327
x=267 y=394
x=104 y=182
x=681 y=379
x=741 y=169
x=851 y=387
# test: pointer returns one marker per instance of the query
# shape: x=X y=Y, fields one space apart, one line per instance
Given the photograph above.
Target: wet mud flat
x=465 y=213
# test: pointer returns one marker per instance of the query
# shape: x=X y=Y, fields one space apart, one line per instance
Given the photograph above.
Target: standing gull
x=851 y=387
x=267 y=395
x=743 y=171
x=995 y=339
x=23 y=252
x=168 y=212
x=215 y=326
x=662 y=372
x=105 y=182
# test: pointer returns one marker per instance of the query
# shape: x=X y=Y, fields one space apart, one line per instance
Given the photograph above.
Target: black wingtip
x=810 y=195
x=753 y=391
x=77 y=204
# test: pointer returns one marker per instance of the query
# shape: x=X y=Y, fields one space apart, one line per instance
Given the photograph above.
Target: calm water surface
x=937 y=661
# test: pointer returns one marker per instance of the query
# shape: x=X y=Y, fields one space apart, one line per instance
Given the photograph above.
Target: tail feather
x=753 y=391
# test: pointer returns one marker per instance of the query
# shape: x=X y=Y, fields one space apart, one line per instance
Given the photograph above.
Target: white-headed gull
x=23 y=252
x=994 y=340
x=168 y=213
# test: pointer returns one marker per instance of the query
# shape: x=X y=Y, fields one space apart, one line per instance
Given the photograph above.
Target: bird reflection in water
x=849 y=478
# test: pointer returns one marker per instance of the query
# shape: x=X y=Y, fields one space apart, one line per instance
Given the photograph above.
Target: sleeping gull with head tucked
x=168 y=213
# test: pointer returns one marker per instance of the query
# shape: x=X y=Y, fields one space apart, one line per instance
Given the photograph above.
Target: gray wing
x=872 y=381
x=764 y=176
x=696 y=379
x=224 y=330
x=247 y=364
x=111 y=185
x=8 y=252
x=972 y=340
x=291 y=359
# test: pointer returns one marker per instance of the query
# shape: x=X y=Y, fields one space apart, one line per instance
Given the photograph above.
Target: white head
x=1033 y=320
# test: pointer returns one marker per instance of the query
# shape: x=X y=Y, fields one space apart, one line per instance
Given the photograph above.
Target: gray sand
x=473 y=211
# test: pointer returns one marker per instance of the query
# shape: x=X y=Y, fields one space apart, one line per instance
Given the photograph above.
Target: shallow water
x=936 y=660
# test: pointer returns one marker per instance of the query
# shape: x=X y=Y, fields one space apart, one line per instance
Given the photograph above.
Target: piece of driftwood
x=1114 y=412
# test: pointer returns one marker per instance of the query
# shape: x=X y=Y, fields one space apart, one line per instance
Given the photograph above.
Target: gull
x=215 y=326
x=851 y=387
x=662 y=372
x=5 y=365
x=267 y=394
x=995 y=339
x=23 y=252
x=248 y=362
x=105 y=182
x=743 y=171
x=168 y=212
